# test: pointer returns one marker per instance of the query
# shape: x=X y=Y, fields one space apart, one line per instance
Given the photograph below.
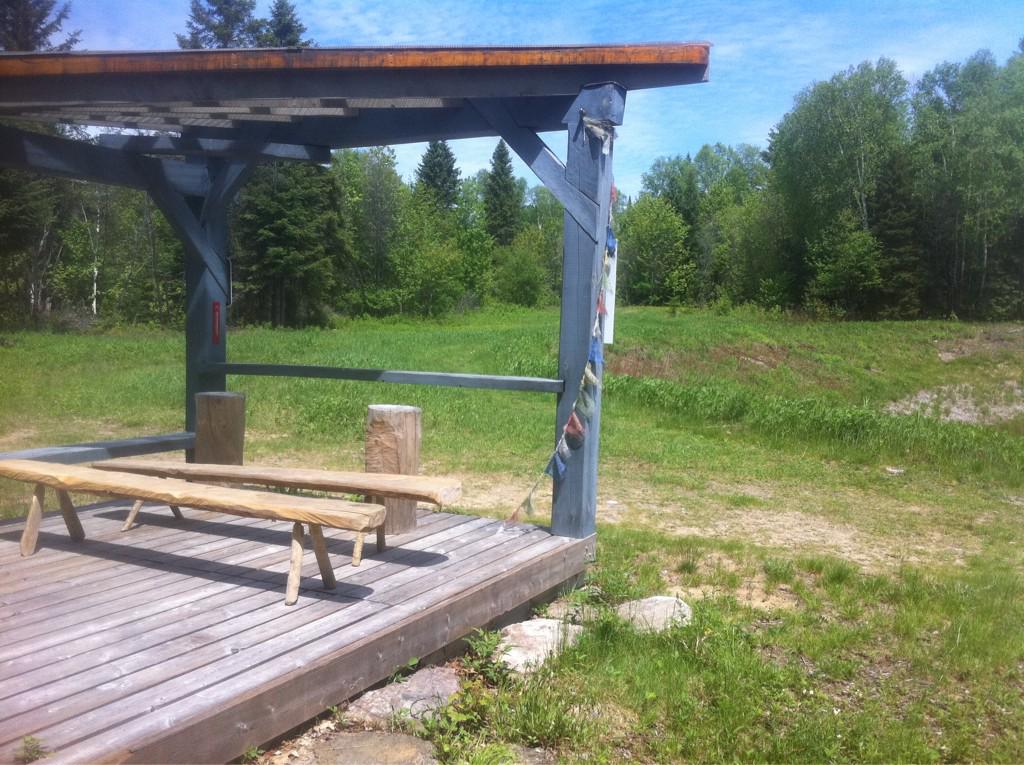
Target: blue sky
x=764 y=51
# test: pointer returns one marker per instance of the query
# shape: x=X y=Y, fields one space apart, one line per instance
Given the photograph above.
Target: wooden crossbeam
x=216 y=147
x=23 y=150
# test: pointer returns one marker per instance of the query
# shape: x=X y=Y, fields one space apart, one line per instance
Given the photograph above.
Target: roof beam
x=23 y=150
x=374 y=127
x=217 y=147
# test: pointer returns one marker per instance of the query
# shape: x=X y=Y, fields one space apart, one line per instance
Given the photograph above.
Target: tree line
x=874 y=198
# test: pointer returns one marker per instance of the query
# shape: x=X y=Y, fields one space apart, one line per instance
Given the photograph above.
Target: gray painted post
x=202 y=224
x=206 y=305
x=590 y=170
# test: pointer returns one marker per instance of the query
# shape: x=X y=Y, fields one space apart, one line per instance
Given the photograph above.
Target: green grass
x=856 y=576
x=903 y=667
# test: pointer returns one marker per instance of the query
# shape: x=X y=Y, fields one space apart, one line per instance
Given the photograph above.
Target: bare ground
x=964 y=403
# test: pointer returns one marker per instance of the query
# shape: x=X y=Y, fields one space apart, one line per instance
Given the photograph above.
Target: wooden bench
x=313 y=511
x=373 y=486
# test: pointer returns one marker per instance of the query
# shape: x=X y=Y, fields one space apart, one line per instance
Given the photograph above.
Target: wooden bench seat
x=439 y=491
x=313 y=511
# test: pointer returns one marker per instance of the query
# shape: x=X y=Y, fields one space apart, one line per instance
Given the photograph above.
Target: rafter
x=217 y=147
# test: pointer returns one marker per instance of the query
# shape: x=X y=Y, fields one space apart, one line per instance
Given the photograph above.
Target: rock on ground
x=367 y=748
x=415 y=698
x=526 y=645
x=656 y=613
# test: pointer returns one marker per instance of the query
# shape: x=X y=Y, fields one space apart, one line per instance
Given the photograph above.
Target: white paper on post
x=609 y=303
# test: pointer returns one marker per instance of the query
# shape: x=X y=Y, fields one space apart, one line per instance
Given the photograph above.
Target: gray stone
x=414 y=698
x=368 y=748
x=526 y=645
x=656 y=613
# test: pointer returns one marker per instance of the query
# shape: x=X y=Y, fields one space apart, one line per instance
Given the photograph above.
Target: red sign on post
x=216 y=322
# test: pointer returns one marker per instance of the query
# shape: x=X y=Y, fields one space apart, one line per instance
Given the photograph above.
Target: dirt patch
x=964 y=403
x=753 y=592
x=761 y=355
x=640 y=363
x=16 y=439
x=751 y=588
x=1001 y=338
x=814 y=534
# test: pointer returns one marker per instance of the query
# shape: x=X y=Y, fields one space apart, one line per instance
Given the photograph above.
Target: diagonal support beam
x=228 y=180
x=540 y=159
x=217 y=147
x=24 y=150
x=187 y=226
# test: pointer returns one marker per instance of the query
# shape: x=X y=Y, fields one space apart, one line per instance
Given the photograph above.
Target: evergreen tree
x=286 y=229
x=896 y=226
x=438 y=174
x=503 y=197
x=27 y=25
x=222 y=24
x=283 y=29
x=31 y=206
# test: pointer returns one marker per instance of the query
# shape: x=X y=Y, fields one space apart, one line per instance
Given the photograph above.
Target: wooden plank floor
x=172 y=643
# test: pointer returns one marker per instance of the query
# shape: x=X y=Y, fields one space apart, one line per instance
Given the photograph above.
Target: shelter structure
x=209 y=117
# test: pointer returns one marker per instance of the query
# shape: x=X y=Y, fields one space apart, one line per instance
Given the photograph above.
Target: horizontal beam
x=23 y=150
x=394 y=126
x=217 y=147
x=103 y=450
x=448 y=379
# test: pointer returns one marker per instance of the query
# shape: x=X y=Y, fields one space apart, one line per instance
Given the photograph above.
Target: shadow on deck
x=172 y=643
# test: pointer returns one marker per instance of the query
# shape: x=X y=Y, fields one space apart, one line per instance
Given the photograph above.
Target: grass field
x=856 y=575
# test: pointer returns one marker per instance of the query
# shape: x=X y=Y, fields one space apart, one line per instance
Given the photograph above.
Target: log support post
x=220 y=428
x=393 y=436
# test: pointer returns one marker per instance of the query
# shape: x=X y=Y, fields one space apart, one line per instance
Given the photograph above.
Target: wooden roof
x=271 y=59
x=327 y=96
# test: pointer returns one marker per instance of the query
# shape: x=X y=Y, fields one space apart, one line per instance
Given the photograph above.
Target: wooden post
x=393 y=446
x=588 y=167
x=220 y=428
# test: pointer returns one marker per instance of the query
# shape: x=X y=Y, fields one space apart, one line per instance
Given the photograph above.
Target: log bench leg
x=132 y=515
x=381 y=543
x=295 y=569
x=322 y=558
x=357 y=550
x=30 y=536
x=71 y=519
x=177 y=512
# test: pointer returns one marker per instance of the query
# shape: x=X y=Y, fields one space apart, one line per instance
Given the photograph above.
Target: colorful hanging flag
x=575 y=432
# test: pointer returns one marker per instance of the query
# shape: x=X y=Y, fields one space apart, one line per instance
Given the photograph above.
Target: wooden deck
x=171 y=642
